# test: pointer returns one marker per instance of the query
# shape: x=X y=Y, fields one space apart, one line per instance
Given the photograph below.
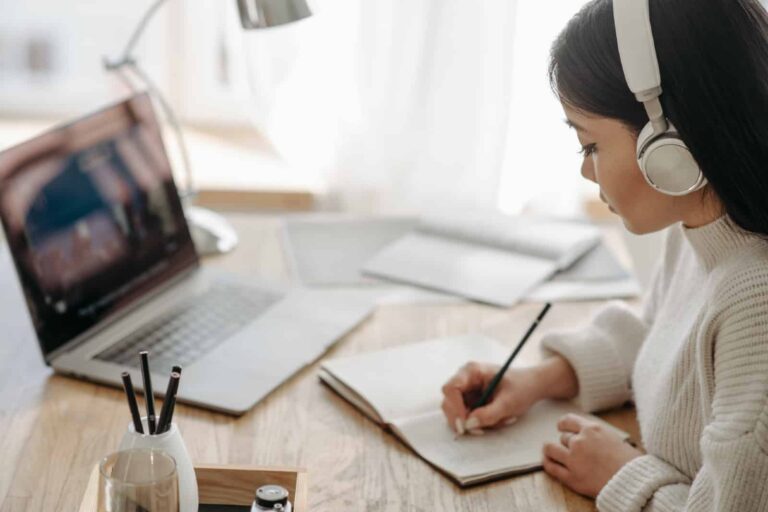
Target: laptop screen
x=93 y=219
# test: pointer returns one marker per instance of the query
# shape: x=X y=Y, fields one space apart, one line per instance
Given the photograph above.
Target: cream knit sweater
x=695 y=362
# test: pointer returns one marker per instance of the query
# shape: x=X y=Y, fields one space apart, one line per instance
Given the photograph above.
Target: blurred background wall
x=370 y=106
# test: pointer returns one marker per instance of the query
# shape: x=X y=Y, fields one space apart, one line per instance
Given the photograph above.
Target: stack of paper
x=332 y=250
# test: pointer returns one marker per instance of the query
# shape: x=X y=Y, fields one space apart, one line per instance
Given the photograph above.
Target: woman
x=695 y=359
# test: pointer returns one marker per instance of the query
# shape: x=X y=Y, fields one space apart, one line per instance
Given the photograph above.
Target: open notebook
x=399 y=388
x=491 y=258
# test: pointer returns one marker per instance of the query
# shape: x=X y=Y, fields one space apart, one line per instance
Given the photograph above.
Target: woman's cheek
x=612 y=187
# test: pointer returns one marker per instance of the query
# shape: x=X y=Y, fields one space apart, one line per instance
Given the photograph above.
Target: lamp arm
x=127 y=55
x=190 y=191
x=128 y=60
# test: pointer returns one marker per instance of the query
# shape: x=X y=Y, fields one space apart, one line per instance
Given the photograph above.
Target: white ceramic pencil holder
x=171 y=443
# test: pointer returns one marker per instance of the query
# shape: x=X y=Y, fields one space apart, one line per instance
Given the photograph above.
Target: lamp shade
x=255 y=14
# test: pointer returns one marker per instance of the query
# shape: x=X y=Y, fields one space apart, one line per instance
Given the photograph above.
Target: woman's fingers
x=571 y=423
x=556 y=470
x=467 y=380
x=454 y=408
x=506 y=422
x=489 y=415
x=556 y=452
x=470 y=377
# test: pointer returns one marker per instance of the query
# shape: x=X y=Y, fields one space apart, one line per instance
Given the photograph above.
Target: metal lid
x=270 y=495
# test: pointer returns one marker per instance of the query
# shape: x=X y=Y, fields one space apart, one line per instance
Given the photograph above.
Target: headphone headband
x=636 y=48
x=663 y=157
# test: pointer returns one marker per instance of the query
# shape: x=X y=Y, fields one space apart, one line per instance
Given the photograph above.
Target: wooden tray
x=227 y=485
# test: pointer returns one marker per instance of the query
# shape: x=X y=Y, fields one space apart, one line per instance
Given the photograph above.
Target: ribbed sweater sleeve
x=732 y=479
x=602 y=355
x=734 y=444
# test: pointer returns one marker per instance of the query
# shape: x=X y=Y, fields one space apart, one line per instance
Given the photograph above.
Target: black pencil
x=500 y=374
x=171 y=410
x=149 y=397
x=176 y=369
x=132 y=405
x=170 y=396
x=172 y=406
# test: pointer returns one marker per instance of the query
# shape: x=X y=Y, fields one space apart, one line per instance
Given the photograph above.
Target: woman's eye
x=588 y=150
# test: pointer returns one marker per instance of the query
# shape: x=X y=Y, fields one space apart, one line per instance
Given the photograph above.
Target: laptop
x=108 y=268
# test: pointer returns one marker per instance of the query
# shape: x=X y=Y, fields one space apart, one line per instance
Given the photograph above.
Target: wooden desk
x=54 y=429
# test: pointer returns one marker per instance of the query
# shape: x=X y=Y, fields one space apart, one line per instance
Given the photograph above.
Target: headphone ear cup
x=667 y=163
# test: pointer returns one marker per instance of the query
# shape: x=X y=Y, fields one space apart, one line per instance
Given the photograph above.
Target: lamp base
x=211 y=232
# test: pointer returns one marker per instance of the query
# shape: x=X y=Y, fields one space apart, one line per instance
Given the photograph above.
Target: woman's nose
x=587 y=171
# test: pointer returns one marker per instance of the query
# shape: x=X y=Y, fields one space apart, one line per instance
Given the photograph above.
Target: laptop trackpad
x=291 y=335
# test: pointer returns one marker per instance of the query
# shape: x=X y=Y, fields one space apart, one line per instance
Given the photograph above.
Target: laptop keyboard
x=192 y=329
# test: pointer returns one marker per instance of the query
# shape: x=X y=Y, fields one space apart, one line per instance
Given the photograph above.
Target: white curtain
x=403 y=104
x=541 y=169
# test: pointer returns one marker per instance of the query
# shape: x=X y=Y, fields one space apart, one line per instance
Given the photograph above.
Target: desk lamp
x=213 y=234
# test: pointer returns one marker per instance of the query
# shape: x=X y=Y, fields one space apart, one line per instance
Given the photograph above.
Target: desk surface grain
x=53 y=429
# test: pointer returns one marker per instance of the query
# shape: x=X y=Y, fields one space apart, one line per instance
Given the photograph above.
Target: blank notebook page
x=406 y=381
x=511 y=448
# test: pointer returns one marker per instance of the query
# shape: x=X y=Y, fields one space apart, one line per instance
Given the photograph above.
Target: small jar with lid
x=271 y=498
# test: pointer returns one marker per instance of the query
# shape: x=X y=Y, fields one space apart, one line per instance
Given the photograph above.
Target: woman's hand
x=515 y=394
x=587 y=456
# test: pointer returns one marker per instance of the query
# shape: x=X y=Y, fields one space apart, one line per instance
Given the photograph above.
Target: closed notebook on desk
x=400 y=389
x=490 y=258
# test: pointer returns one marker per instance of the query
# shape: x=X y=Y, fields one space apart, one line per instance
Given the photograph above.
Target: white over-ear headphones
x=664 y=159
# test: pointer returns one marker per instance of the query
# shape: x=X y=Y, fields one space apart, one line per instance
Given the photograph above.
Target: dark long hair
x=713 y=58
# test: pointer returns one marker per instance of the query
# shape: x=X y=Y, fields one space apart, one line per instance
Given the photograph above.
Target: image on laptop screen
x=93 y=219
